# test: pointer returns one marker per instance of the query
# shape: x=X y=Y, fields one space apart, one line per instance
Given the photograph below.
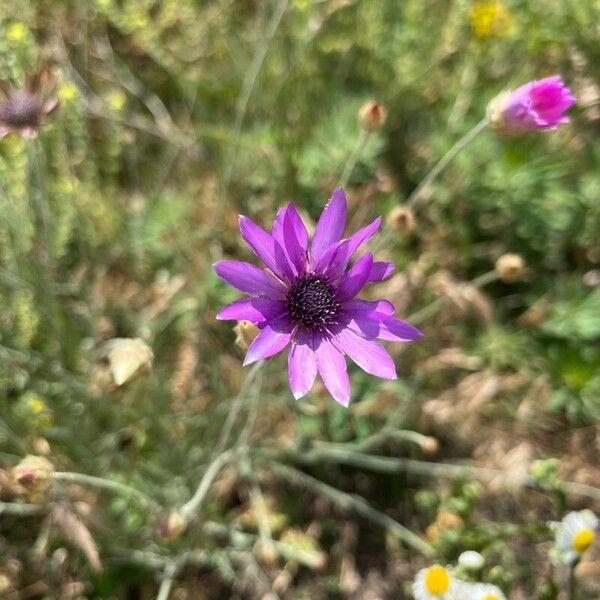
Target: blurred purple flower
x=23 y=110
x=539 y=104
x=306 y=297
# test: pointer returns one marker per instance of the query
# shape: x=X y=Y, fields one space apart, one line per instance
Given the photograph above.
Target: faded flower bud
x=402 y=219
x=372 y=116
x=172 y=526
x=245 y=332
x=471 y=560
x=510 y=267
x=34 y=474
x=127 y=356
x=537 y=105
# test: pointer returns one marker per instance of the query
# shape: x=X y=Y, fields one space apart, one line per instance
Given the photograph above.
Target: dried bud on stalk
x=172 y=526
x=127 y=356
x=372 y=116
x=430 y=445
x=402 y=219
x=245 y=332
x=510 y=267
x=34 y=474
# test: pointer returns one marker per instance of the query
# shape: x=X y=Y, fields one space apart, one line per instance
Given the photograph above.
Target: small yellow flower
x=490 y=19
x=68 y=91
x=16 y=32
x=117 y=100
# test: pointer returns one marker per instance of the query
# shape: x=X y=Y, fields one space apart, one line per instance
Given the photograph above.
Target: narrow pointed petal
x=369 y=355
x=397 y=330
x=260 y=241
x=250 y=279
x=380 y=270
x=338 y=261
x=293 y=247
x=282 y=259
x=363 y=235
x=255 y=310
x=332 y=368
x=298 y=225
x=382 y=306
x=356 y=278
x=302 y=364
x=379 y=325
x=273 y=338
x=331 y=225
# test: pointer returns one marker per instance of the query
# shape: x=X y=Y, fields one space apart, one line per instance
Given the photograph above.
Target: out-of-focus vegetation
x=175 y=116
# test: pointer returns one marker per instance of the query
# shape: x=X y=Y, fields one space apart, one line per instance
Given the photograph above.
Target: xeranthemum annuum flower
x=306 y=298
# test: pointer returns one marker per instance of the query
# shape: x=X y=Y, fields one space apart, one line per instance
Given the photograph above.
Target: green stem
x=361 y=142
x=464 y=141
x=572 y=582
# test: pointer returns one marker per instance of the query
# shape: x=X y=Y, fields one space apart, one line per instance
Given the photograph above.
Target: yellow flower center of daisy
x=437 y=580
x=583 y=539
x=491 y=597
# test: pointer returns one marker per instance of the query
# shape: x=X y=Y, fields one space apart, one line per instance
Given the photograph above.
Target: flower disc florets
x=21 y=109
x=312 y=301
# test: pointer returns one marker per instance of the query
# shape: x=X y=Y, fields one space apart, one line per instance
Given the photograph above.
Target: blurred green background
x=177 y=115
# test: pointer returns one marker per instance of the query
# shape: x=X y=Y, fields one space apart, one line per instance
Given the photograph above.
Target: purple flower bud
x=539 y=104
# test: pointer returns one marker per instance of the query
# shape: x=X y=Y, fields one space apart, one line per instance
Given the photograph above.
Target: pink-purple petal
x=332 y=368
x=369 y=355
x=255 y=310
x=260 y=241
x=302 y=364
x=249 y=278
x=273 y=338
x=295 y=251
x=356 y=278
x=363 y=235
x=380 y=270
x=331 y=225
x=379 y=325
x=382 y=306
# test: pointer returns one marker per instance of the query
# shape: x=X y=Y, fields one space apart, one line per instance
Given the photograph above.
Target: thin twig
x=166 y=581
x=356 y=503
x=15 y=509
x=107 y=484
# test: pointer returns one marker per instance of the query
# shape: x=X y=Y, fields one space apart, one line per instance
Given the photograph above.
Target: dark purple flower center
x=21 y=109
x=311 y=301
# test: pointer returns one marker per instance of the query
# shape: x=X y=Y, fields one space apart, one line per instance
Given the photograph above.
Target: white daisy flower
x=576 y=533
x=486 y=591
x=434 y=583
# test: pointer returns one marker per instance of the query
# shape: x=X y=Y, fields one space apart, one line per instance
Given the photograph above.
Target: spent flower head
x=574 y=535
x=372 y=116
x=537 y=105
x=306 y=298
x=23 y=110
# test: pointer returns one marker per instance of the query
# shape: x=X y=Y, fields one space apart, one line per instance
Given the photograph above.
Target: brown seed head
x=510 y=267
x=34 y=474
x=402 y=219
x=372 y=116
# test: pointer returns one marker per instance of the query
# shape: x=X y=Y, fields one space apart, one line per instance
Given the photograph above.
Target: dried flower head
x=245 y=332
x=402 y=219
x=23 y=110
x=34 y=474
x=537 y=105
x=172 y=526
x=306 y=297
x=372 y=116
x=127 y=356
x=510 y=267
x=490 y=19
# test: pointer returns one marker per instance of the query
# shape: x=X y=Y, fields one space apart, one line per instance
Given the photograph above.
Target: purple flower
x=306 y=298
x=539 y=104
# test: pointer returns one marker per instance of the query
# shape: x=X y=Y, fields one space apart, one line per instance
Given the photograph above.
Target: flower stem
x=464 y=141
x=361 y=142
x=572 y=582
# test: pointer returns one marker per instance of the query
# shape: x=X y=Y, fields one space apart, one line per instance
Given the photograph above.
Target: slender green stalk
x=464 y=141
x=167 y=579
x=572 y=582
x=107 y=484
x=361 y=142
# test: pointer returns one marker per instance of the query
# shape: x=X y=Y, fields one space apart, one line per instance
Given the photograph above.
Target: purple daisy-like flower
x=306 y=298
x=539 y=104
